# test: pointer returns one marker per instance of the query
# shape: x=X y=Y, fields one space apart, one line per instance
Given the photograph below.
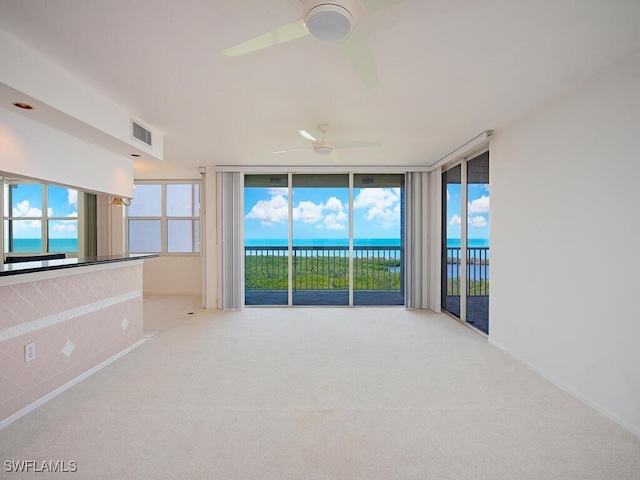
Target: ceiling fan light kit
x=323 y=148
x=328 y=22
x=336 y=22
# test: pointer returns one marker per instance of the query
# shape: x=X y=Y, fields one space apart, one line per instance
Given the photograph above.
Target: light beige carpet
x=310 y=393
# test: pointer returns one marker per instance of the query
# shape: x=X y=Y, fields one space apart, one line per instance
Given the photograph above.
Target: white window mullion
x=463 y=241
x=290 y=242
x=163 y=221
x=351 y=216
x=44 y=223
x=3 y=247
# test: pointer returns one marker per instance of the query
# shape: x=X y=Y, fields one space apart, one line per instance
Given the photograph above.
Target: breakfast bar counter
x=60 y=320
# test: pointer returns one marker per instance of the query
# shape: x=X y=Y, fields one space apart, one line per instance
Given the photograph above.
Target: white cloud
x=275 y=210
x=26 y=225
x=487 y=187
x=376 y=197
x=478 y=221
x=479 y=205
x=382 y=204
x=448 y=196
x=455 y=220
x=269 y=212
x=73 y=197
x=284 y=191
x=24 y=209
x=336 y=221
x=308 y=212
x=73 y=215
x=334 y=204
x=64 y=227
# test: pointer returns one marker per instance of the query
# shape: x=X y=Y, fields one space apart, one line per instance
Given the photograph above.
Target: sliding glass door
x=321 y=240
x=317 y=240
x=465 y=240
x=266 y=239
x=378 y=254
x=452 y=239
x=478 y=242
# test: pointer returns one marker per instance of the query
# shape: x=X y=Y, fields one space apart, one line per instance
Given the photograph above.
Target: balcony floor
x=477 y=310
x=477 y=306
x=324 y=298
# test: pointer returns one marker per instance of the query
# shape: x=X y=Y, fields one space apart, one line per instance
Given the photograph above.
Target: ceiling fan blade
x=357 y=50
x=335 y=156
x=372 y=6
x=283 y=34
x=357 y=144
x=294 y=150
x=307 y=135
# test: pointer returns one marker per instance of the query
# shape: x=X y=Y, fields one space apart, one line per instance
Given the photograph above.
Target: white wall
x=173 y=275
x=26 y=71
x=32 y=149
x=564 y=241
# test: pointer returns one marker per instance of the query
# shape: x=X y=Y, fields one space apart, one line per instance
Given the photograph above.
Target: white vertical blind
x=230 y=221
x=435 y=240
x=416 y=243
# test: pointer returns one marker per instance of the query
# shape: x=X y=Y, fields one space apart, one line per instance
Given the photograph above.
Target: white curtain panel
x=417 y=240
x=231 y=240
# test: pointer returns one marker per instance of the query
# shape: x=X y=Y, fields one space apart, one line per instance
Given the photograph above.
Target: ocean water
x=34 y=245
x=471 y=243
x=358 y=242
x=322 y=242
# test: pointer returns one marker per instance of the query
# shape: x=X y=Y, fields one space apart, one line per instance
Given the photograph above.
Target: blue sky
x=322 y=213
x=477 y=211
x=27 y=202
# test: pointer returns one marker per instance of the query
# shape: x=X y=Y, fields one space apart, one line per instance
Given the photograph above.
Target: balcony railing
x=324 y=268
x=477 y=270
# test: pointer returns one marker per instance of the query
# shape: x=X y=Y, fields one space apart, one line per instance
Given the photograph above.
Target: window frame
x=44 y=219
x=164 y=218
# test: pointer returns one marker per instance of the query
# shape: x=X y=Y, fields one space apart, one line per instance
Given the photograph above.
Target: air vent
x=141 y=133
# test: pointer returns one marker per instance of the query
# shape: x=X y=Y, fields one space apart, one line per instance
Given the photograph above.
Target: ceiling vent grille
x=140 y=133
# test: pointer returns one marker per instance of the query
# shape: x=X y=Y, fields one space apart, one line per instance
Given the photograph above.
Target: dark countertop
x=43 y=266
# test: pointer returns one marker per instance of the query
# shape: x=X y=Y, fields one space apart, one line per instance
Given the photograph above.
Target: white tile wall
x=76 y=321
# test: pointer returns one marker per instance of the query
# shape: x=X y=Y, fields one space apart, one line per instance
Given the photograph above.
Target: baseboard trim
x=587 y=401
x=54 y=393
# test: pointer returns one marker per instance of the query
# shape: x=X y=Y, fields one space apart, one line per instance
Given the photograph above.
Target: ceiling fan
x=325 y=148
x=334 y=21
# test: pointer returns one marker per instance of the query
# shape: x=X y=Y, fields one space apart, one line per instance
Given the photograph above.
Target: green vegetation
x=472 y=261
x=476 y=287
x=266 y=272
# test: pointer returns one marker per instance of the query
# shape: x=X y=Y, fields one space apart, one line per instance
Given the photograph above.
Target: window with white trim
x=164 y=217
x=40 y=218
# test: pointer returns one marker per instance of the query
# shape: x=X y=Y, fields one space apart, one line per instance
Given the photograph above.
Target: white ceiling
x=448 y=70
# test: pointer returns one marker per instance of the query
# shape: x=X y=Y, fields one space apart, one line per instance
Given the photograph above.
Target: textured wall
x=564 y=241
x=76 y=320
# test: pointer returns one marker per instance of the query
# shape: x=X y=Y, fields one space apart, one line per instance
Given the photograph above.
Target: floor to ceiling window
x=478 y=242
x=465 y=253
x=266 y=239
x=452 y=236
x=378 y=240
x=321 y=239
x=337 y=242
